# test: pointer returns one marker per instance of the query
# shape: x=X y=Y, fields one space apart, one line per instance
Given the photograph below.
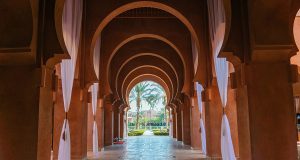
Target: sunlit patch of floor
x=148 y=148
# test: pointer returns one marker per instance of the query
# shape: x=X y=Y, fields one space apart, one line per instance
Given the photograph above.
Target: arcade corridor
x=230 y=71
x=148 y=148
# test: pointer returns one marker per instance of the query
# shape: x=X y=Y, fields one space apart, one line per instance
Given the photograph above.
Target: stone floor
x=148 y=148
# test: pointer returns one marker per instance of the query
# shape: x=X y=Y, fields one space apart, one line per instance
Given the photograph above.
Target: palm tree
x=158 y=95
x=145 y=91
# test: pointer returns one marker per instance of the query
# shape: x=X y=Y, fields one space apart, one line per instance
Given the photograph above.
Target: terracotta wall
x=19 y=112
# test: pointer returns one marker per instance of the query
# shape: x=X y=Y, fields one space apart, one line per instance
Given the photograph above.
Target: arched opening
x=147 y=113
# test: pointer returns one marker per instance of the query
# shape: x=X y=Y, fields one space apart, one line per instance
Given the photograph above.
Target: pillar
x=195 y=125
x=90 y=125
x=116 y=121
x=25 y=113
x=213 y=119
x=266 y=111
x=59 y=116
x=78 y=122
x=100 y=123
x=46 y=107
x=121 y=123
x=179 y=123
x=231 y=112
x=186 y=121
x=170 y=122
x=77 y=117
x=174 y=120
x=108 y=122
x=126 y=123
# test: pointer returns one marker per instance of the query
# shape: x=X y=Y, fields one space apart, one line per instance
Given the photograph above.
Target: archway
x=187 y=20
x=147 y=113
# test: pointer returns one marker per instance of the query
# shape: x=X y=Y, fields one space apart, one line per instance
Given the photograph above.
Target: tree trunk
x=165 y=116
x=150 y=118
x=137 y=118
x=138 y=105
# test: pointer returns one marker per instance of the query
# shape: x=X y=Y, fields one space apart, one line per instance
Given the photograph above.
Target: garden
x=156 y=132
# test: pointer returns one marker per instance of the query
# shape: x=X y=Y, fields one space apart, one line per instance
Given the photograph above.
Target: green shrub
x=161 y=133
x=155 y=130
x=138 y=132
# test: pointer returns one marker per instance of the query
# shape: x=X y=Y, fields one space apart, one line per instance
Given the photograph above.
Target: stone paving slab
x=148 y=148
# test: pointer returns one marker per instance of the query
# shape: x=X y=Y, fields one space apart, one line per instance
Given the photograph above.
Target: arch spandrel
x=18 y=43
x=151 y=61
x=156 y=49
x=186 y=60
x=19 y=16
x=114 y=37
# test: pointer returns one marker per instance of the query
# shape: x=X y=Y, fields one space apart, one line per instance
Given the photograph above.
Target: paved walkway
x=148 y=133
x=148 y=148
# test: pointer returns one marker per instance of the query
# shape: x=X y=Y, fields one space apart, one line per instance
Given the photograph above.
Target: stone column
x=170 y=122
x=231 y=113
x=174 y=119
x=179 y=124
x=213 y=118
x=77 y=117
x=121 y=123
x=90 y=126
x=126 y=124
x=108 y=121
x=46 y=107
x=266 y=111
x=195 y=125
x=59 y=116
x=186 y=121
x=100 y=123
x=116 y=124
x=25 y=114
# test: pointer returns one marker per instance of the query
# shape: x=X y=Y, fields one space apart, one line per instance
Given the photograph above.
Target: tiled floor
x=148 y=148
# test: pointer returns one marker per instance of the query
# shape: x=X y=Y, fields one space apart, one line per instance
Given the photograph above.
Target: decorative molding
x=273 y=53
x=15 y=50
x=145 y=12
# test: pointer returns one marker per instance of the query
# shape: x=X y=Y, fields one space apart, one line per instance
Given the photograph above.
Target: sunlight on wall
x=296 y=59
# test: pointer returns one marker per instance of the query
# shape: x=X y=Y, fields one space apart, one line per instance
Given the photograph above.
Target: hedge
x=136 y=132
x=158 y=132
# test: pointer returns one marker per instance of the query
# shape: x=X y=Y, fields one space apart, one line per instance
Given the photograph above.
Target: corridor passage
x=149 y=148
